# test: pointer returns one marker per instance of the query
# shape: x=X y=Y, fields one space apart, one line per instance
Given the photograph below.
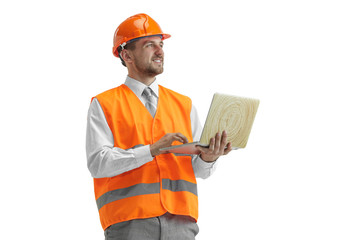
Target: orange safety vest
x=167 y=183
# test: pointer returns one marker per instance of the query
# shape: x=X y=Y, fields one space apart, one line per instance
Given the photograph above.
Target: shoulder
x=110 y=91
x=172 y=93
x=112 y=94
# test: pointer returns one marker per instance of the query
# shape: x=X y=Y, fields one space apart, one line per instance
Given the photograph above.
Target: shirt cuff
x=142 y=155
x=205 y=164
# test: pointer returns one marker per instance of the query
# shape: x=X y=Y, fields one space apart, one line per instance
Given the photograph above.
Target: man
x=141 y=192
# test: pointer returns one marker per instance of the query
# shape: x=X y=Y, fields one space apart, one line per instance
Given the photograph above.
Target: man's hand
x=166 y=141
x=218 y=147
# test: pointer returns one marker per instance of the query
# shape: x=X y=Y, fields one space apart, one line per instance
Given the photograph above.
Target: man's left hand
x=218 y=147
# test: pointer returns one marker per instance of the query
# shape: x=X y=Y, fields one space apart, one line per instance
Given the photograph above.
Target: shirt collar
x=138 y=87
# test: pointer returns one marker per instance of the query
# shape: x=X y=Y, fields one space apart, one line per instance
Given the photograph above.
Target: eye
x=152 y=44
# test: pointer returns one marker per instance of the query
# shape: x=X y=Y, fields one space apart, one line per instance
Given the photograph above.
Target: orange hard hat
x=137 y=26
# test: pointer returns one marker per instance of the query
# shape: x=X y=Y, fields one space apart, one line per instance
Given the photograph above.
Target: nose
x=159 y=51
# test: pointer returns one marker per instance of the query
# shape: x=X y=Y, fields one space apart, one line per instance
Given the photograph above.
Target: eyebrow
x=152 y=41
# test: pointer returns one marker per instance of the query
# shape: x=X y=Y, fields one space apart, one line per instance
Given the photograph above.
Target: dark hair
x=129 y=46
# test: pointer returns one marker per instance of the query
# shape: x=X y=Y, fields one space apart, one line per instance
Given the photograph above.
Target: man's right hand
x=166 y=141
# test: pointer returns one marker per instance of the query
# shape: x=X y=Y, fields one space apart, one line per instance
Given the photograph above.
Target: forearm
x=112 y=161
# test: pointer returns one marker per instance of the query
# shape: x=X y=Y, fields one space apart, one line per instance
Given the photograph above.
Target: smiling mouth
x=158 y=60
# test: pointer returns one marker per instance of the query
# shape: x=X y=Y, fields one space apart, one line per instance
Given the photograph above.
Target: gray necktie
x=150 y=101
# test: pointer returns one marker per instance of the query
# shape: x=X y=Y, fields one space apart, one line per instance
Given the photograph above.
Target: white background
x=299 y=176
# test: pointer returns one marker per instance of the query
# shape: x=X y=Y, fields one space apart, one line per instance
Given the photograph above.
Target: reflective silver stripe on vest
x=135 y=190
x=179 y=185
x=182 y=154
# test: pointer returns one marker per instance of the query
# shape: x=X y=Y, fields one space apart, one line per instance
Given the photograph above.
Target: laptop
x=234 y=114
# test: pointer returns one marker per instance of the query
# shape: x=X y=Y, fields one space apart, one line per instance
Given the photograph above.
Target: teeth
x=157 y=61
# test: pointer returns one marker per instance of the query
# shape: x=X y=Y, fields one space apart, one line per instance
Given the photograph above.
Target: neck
x=147 y=80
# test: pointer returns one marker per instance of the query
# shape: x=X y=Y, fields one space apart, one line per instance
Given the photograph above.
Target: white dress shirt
x=105 y=160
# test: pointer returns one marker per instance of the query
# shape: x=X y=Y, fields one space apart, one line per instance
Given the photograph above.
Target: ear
x=126 y=55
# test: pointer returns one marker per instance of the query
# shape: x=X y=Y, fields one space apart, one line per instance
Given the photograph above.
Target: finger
x=228 y=148
x=217 y=142
x=223 y=140
x=181 y=138
x=176 y=137
x=212 y=145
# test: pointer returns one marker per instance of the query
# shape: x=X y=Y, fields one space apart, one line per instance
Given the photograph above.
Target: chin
x=154 y=71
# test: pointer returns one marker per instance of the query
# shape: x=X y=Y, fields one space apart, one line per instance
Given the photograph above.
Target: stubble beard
x=150 y=70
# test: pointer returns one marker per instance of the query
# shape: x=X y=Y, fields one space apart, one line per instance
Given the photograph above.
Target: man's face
x=149 y=56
